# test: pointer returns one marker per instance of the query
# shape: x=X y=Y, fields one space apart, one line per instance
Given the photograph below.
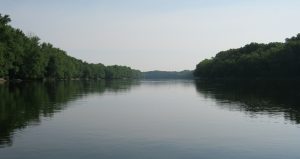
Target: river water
x=164 y=119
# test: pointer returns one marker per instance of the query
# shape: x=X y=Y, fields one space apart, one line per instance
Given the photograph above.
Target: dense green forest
x=273 y=60
x=24 y=57
x=186 y=74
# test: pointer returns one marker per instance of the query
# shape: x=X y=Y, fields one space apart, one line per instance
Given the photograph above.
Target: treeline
x=186 y=74
x=273 y=60
x=24 y=57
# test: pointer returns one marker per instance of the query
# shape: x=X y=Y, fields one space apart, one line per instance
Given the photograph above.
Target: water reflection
x=24 y=104
x=255 y=97
x=158 y=105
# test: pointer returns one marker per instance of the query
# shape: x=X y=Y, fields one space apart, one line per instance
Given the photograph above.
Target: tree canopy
x=273 y=60
x=24 y=57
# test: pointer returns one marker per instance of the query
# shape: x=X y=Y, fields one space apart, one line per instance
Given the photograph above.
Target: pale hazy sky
x=153 y=34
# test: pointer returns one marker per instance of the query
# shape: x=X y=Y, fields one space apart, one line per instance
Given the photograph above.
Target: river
x=150 y=119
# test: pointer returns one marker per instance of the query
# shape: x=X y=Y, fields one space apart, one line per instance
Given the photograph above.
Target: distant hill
x=186 y=74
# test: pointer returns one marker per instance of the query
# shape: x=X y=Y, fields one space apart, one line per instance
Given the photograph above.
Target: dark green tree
x=273 y=60
x=24 y=57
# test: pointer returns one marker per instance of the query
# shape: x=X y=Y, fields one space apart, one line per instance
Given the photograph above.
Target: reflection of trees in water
x=25 y=103
x=168 y=82
x=120 y=85
x=255 y=97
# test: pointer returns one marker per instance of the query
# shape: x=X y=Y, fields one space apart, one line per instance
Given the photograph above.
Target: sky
x=170 y=35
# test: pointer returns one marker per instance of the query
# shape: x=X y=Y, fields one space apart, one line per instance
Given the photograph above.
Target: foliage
x=273 y=60
x=24 y=57
x=121 y=72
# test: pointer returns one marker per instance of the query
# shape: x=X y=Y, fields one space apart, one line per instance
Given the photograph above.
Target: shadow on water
x=255 y=97
x=25 y=104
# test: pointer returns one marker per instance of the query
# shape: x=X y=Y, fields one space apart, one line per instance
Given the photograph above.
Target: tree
x=273 y=60
x=4 y=19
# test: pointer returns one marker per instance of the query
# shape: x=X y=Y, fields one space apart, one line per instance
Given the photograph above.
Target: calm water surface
x=150 y=120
